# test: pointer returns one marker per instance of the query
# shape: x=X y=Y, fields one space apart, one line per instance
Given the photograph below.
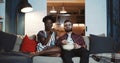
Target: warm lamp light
x=26 y=7
x=53 y=10
x=63 y=10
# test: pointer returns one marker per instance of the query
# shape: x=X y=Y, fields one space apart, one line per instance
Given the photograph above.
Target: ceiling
x=71 y=6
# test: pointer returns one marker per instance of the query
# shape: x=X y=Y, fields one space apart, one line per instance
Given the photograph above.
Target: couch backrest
x=19 y=41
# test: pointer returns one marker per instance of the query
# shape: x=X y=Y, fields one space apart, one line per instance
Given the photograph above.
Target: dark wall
x=14 y=17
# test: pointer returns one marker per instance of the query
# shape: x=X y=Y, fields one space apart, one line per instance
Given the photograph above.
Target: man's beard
x=68 y=30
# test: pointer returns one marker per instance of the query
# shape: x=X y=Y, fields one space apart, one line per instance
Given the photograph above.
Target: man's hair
x=49 y=17
x=67 y=21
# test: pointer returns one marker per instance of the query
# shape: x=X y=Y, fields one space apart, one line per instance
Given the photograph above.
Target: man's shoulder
x=74 y=34
x=63 y=36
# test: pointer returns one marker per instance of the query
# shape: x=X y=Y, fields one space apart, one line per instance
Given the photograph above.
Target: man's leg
x=67 y=56
x=83 y=54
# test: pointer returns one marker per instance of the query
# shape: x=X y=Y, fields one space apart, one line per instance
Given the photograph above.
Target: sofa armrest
x=86 y=39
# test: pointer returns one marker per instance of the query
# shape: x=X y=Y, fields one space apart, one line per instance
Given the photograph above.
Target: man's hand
x=64 y=42
x=76 y=46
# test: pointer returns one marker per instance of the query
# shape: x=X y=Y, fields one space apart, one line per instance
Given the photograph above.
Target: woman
x=47 y=38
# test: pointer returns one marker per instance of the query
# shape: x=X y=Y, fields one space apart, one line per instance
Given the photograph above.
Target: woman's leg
x=52 y=51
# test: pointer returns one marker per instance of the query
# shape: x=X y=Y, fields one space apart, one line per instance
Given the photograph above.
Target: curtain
x=113 y=21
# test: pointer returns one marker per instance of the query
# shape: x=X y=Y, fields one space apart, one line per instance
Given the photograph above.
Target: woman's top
x=50 y=43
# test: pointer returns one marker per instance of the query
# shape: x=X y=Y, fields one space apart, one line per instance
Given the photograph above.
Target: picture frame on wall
x=1 y=26
x=1 y=1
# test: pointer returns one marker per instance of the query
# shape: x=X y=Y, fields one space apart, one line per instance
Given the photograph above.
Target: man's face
x=68 y=26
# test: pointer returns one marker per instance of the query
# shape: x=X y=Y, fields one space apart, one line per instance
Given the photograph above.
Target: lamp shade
x=26 y=7
x=53 y=10
x=63 y=10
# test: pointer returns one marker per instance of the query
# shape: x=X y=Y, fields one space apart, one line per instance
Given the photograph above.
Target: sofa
x=10 y=45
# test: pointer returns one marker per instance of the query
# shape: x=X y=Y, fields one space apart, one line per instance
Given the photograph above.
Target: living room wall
x=24 y=23
x=33 y=20
x=96 y=16
x=2 y=14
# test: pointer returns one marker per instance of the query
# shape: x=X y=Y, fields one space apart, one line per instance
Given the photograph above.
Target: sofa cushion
x=28 y=45
x=42 y=59
x=101 y=44
x=18 y=43
x=14 y=57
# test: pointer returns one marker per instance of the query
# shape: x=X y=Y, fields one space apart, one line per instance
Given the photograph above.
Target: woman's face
x=48 y=24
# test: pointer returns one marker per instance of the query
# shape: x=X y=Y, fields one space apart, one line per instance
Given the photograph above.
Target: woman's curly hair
x=49 y=17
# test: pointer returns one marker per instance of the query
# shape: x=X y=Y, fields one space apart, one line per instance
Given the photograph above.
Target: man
x=79 y=49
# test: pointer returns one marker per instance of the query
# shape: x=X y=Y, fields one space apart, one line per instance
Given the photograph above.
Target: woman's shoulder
x=41 y=32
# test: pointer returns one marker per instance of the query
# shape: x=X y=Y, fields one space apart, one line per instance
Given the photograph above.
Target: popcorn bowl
x=68 y=46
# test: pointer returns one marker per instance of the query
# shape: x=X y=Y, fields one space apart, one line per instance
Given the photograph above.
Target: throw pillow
x=101 y=44
x=87 y=41
x=28 y=45
x=7 y=41
x=18 y=43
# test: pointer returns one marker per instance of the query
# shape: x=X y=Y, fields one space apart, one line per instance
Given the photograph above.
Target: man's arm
x=79 y=41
